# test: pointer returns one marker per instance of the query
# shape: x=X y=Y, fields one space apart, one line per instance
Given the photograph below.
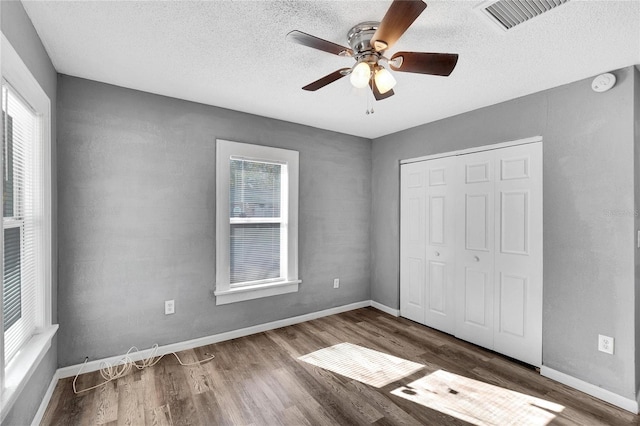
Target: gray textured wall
x=137 y=219
x=588 y=258
x=17 y=27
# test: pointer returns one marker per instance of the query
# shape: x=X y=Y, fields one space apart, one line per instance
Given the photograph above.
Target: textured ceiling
x=233 y=54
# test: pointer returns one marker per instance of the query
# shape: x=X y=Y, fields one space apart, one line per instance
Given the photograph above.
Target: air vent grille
x=509 y=13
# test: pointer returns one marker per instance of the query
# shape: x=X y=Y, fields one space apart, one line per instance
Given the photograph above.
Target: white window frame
x=14 y=377
x=288 y=282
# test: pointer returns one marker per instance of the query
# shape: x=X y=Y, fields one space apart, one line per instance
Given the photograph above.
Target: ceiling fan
x=369 y=41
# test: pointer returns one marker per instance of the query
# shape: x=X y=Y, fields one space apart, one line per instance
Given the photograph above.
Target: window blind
x=255 y=252
x=20 y=159
x=12 y=294
x=255 y=199
x=254 y=189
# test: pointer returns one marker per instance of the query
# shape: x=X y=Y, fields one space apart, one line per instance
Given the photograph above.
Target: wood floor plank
x=393 y=342
x=293 y=416
x=416 y=334
x=320 y=393
x=592 y=408
x=196 y=375
x=223 y=390
x=289 y=376
x=392 y=413
x=55 y=402
x=183 y=411
x=106 y=404
x=159 y=416
x=353 y=404
x=302 y=399
x=209 y=410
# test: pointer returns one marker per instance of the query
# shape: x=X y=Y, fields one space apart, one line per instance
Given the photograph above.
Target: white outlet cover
x=169 y=307
x=606 y=344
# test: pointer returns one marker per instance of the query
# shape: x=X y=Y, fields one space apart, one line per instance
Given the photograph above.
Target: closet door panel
x=413 y=241
x=518 y=258
x=440 y=248
x=476 y=287
x=475 y=248
x=514 y=222
x=512 y=308
x=437 y=298
x=476 y=221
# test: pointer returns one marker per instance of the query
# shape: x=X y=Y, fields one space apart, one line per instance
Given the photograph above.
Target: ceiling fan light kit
x=384 y=80
x=368 y=42
x=360 y=75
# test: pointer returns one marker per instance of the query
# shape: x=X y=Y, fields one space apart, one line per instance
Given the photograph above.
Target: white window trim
x=225 y=292
x=25 y=363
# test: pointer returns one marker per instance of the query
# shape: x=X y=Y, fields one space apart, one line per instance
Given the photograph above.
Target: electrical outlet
x=169 y=307
x=605 y=344
x=336 y=283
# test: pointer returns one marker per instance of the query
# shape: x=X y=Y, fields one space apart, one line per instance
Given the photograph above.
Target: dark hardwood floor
x=359 y=367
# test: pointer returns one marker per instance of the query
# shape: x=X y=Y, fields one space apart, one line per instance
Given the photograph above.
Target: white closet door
x=440 y=246
x=413 y=241
x=475 y=248
x=518 y=254
x=471 y=248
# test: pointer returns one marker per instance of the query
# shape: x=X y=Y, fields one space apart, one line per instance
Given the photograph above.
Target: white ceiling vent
x=506 y=14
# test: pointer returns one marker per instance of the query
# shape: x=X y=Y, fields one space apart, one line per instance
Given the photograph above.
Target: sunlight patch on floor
x=477 y=402
x=359 y=363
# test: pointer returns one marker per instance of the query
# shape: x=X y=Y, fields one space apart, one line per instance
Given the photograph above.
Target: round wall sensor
x=603 y=82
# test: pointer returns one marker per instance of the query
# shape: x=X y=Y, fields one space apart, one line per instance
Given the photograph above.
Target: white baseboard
x=208 y=340
x=593 y=390
x=37 y=419
x=385 y=308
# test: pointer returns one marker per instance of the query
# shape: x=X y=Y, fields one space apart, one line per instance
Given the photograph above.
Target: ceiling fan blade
x=424 y=63
x=398 y=18
x=327 y=79
x=308 y=40
x=376 y=93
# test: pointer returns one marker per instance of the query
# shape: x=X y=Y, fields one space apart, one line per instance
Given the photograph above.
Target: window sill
x=22 y=367
x=240 y=294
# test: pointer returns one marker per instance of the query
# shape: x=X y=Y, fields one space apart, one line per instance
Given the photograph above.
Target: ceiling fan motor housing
x=359 y=38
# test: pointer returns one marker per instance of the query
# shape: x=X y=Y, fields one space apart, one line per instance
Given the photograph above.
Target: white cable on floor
x=111 y=372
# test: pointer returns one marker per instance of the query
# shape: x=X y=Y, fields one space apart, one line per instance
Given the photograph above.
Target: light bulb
x=360 y=75
x=384 y=80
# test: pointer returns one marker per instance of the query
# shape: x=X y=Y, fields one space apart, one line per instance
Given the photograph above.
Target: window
x=26 y=221
x=256 y=221
x=18 y=220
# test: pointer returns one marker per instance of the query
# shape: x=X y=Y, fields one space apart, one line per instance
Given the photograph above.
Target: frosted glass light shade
x=384 y=80
x=360 y=75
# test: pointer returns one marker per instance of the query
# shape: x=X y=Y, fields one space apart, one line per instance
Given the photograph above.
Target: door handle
x=476 y=258
x=437 y=253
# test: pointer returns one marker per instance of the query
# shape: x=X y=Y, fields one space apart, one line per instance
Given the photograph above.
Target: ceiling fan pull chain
x=366 y=110
x=369 y=107
x=369 y=97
